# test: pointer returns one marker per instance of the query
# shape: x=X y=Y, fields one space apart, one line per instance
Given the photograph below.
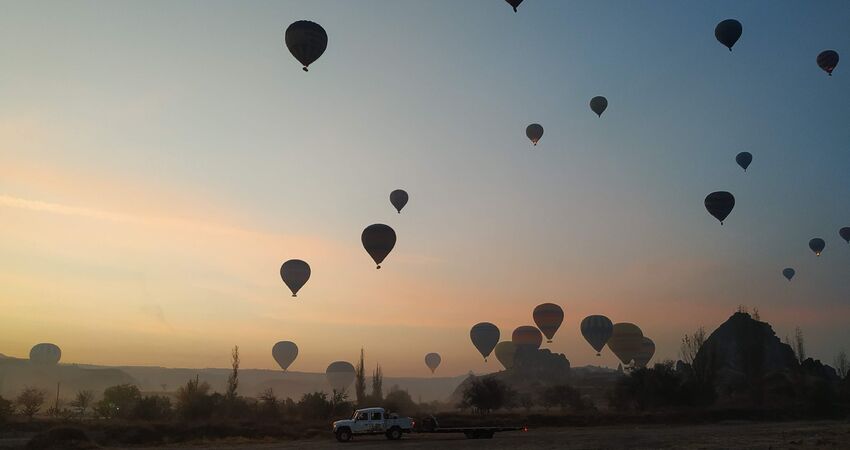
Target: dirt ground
x=793 y=435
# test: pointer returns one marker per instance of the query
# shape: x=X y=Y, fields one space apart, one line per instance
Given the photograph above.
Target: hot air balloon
x=625 y=341
x=788 y=273
x=340 y=375
x=548 y=318
x=505 y=352
x=398 y=198
x=597 y=330
x=527 y=336
x=744 y=159
x=306 y=41
x=534 y=132
x=598 y=104
x=45 y=354
x=432 y=360
x=295 y=274
x=484 y=337
x=719 y=204
x=647 y=350
x=845 y=234
x=828 y=60
x=728 y=32
x=817 y=245
x=514 y=3
x=284 y=353
x=378 y=240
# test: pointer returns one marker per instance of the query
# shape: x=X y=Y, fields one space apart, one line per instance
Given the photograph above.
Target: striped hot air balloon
x=527 y=336
x=626 y=341
x=596 y=331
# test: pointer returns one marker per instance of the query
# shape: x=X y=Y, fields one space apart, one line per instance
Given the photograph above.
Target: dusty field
x=794 y=435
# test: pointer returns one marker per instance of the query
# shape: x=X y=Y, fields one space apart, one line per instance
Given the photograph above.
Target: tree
x=6 y=409
x=486 y=394
x=398 y=400
x=119 y=401
x=269 y=405
x=82 y=401
x=565 y=396
x=377 y=384
x=842 y=364
x=194 y=400
x=30 y=400
x=152 y=407
x=315 y=405
x=360 y=380
x=691 y=343
x=799 y=345
x=233 y=378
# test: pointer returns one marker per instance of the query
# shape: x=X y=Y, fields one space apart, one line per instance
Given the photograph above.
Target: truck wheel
x=394 y=434
x=343 y=435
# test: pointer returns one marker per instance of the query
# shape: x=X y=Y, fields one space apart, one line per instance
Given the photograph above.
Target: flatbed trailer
x=430 y=425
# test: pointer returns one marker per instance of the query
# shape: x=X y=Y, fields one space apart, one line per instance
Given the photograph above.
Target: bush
x=152 y=407
x=660 y=386
x=6 y=409
x=194 y=400
x=486 y=394
x=315 y=405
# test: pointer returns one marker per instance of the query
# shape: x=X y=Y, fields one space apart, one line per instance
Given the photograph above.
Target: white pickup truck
x=372 y=421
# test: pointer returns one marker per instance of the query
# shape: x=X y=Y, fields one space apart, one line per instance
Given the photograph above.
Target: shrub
x=315 y=405
x=119 y=401
x=152 y=407
x=6 y=409
x=194 y=400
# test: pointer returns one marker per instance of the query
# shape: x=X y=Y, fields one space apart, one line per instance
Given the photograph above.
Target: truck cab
x=372 y=421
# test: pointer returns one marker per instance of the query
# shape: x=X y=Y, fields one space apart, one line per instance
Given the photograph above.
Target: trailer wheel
x=343 y=435
x=394 y=434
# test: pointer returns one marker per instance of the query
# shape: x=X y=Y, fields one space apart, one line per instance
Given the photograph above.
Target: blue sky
x=174 y=117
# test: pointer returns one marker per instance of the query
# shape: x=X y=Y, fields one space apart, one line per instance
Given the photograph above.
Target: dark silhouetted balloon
x=598 y=105
x=514 y=3
x=484 y=337
x=719 y=204
x=596 y=331
x=534 y=132
x=433 y=360
x=527 y=336
x=45 y=354
x=378 y=240
x=828 y=61
x=788 y=273
x=340 y=375
x=845 y=234
x=295 y=274
x=505 y=352
x=728 y=32
x=744 y=159
x=817 y=245
x=398 y=198
x=646 y=352
x=626 y=341
x=548 y=318
x=284 y=353
x=306 y=41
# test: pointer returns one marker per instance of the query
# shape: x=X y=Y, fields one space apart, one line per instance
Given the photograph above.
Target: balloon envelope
x=728 y=32
x=625 y=341
x=295 y=274
x=548 y=318
x=828 y=61
x=45 y=354
x=306 y=41
x=744 y=159
x=817 y=245
x=845 y=234
x=378 y=240
x=340 y=375
x=646 y=352
x=596 y=331
x=514 y=3
x=527 y=336
x=534 y=132
x=719 y=204
x=598 y=104
x=398 y=198
x=284 y=353
x=505 y=352
x=788 y=273
x=432 y=360
x=484 y=337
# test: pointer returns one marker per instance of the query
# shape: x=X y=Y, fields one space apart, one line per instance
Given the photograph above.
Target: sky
x=160 y=160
